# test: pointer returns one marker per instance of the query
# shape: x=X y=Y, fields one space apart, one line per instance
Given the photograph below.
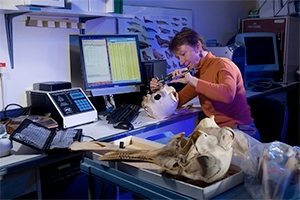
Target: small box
x=109 y=6
x=51 y=3
x=52 y=86
x=11 y=4
x=97 y=6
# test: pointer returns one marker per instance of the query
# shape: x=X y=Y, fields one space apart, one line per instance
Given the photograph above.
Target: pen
x=169 y=77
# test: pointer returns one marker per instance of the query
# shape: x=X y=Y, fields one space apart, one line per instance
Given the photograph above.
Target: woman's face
x=189 y=56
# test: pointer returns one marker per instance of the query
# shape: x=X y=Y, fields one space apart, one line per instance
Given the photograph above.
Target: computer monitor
x=105 y=64
x=261 y=57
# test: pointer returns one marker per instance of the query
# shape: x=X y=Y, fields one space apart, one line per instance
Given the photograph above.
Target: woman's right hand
x=179 y=76
x=154 y=85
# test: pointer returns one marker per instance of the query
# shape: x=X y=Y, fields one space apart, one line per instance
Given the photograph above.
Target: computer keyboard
x=125 y=112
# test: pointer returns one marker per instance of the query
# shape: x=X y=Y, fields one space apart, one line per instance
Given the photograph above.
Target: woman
x=217 y=82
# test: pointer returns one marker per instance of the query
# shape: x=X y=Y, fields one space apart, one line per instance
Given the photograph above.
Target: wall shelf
x=10 y=13
x=68 y=13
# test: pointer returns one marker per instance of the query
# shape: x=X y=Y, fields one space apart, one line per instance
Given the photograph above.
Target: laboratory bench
x=27 y=173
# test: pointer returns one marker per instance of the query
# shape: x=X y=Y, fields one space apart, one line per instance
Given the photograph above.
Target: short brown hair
x=187 y=36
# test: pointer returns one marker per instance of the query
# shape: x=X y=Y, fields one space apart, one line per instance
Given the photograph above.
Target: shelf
x=44 y=11
x=68 y=13
x=11 y=12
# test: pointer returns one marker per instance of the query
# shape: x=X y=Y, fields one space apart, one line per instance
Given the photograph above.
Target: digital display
x=110 y=60
x=261 y=57
x=76 y=95
x=260 y=50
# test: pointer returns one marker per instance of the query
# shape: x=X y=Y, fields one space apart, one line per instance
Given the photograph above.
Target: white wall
x=42 y=54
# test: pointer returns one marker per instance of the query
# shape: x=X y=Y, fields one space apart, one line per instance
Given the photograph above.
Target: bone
x=240 y=144
x=157 y=156
x=161 y=104
x=202 y=156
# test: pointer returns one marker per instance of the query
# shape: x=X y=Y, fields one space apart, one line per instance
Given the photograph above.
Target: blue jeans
x=249 y=129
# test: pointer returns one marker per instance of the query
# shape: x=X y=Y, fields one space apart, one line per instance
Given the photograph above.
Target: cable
x=110 y=101
x=11 y=104
x=106 y=102
x=25 y=111
x=89 y=137
x=261 y=83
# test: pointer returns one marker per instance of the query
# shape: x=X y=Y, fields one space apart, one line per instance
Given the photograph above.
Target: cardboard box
x=97 y=6
x=148 y=172
x=51 y=3
x=94 y=6
x=11 y=4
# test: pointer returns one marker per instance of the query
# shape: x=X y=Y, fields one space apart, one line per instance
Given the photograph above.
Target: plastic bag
x=272 y=171
x=244 y=142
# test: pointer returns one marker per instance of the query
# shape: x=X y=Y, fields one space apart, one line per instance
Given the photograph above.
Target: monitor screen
x=261 y=52
x=105 y=64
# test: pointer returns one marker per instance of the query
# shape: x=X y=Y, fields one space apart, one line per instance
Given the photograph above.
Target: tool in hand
x=169 y=77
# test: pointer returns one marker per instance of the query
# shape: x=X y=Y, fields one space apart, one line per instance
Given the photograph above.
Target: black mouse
x=126 y=125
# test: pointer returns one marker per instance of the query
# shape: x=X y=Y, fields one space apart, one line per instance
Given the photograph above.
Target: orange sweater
x=220 y=90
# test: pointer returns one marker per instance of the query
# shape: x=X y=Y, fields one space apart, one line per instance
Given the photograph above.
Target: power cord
x=261 y=83
x=89 y=137
x=11 y=104
x=25 y=111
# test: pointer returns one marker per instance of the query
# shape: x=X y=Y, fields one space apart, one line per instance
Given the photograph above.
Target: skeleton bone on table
x=162 y=103
x=202 y=156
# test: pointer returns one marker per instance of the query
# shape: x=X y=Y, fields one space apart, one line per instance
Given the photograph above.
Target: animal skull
x=162 y=103
x=240 y=144
x=202 y=156
x=208 y=160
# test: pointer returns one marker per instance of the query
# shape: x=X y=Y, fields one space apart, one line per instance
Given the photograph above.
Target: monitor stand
x=115 y=90
x=109 y=102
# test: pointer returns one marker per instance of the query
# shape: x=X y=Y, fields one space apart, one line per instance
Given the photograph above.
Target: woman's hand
x=154 y=85
x=180 y=77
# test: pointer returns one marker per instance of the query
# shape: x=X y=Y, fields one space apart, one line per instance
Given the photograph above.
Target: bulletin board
x=156 y=26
